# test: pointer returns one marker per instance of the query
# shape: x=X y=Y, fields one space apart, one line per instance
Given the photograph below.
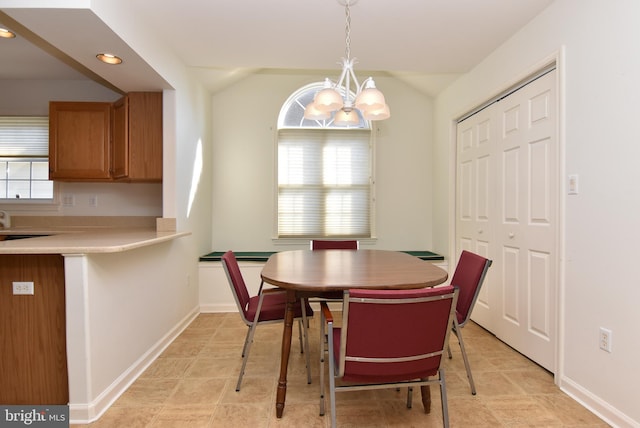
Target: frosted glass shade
x=370 y=98
x=328 y=99
x=379 y=114
x=344 y=118
x=311 y=112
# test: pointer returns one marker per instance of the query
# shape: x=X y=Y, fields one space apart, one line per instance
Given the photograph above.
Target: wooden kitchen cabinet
x=79 y=141
x=33 y=360
x=94 y=141
x=137 y=137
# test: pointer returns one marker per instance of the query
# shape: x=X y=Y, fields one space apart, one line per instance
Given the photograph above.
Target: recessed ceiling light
x=109 y=58
x=7 y=34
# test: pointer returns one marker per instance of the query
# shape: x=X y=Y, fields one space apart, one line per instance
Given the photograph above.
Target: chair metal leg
x=322 y=351
x=246 y=340
x=249 y=341
x=332 y=379
x=245 y=354
x=458 y=333
x=300 y=336
x=304 y=329
x=409 y=397
x=443 y=396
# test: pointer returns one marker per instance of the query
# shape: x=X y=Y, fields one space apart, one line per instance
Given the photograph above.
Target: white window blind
x=324 y=183
x=24 y=136
x=24 y=163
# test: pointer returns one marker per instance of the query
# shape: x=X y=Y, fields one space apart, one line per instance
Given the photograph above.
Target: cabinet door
x=33 y=356
x=145 y=136
x=120 y=147
x=79 y=140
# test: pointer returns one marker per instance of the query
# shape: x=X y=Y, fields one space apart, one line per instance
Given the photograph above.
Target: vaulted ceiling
x=427 y=43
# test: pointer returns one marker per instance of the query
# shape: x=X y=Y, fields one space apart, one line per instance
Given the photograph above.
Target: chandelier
x=337 y=97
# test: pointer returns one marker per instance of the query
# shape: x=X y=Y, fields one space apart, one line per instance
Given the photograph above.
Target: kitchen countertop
x=82 y=239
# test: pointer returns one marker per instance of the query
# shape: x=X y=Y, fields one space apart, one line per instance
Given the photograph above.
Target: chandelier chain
x=347 y=31
x=335 y=101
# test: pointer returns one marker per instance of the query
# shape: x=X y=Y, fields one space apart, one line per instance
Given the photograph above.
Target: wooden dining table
x=306 y=273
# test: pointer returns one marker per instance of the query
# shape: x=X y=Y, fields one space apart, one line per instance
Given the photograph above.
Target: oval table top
x=332 y=270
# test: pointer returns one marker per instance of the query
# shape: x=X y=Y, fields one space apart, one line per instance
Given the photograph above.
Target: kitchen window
x=325 y=174
x=24 y=163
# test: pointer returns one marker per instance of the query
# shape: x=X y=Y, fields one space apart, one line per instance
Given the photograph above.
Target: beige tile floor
x=192 y=384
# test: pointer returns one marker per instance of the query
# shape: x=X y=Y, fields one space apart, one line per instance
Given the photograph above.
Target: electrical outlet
x=605 y=339
x=22 y=288
x=68 y=200
x=93 y=200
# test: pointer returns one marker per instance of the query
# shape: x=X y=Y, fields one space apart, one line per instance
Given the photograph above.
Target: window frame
x=32 y=152
x=324 y=125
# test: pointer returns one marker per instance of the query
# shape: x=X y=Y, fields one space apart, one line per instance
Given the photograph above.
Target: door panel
x=511 y=186
x=476 y=196
x=538 y=288
x=511 y=295
x=507 y=211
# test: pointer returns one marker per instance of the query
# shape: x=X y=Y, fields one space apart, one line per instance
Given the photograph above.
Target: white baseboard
x=84 y=413
x=596 y=405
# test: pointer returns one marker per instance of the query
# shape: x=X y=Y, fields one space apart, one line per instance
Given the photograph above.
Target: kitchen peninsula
x=100 y=311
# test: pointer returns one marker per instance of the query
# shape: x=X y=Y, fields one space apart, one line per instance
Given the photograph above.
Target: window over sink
x=24 y=162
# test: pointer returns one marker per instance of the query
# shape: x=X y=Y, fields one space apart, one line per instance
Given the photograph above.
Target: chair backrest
x=321 y=244
x=468 y=278
x=395 y=335
x=236 y=281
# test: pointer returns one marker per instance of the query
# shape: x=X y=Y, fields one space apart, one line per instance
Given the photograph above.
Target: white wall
x=123 y=309
x=113 y=199
x=244 y=165
x=599 y=284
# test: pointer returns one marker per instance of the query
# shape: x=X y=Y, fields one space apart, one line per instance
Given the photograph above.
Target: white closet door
x=476 y=216
x=518 y=300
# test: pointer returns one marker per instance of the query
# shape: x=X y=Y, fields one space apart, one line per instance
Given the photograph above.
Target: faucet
x=5 y=220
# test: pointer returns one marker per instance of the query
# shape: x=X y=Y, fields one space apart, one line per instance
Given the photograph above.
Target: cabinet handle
x=511 y=235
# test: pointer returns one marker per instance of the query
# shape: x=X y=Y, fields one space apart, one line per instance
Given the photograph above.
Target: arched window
x=292 y=112
x=324 y=174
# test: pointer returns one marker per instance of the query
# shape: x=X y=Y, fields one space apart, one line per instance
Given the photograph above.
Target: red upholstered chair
x=389 y=339
x=468 y=278
x=267 y=307
x=322 y=244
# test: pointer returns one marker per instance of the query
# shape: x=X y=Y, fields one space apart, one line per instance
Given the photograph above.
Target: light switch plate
x=573 y=184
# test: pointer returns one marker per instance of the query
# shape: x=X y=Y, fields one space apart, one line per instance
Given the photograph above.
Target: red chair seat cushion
x=273 y=308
